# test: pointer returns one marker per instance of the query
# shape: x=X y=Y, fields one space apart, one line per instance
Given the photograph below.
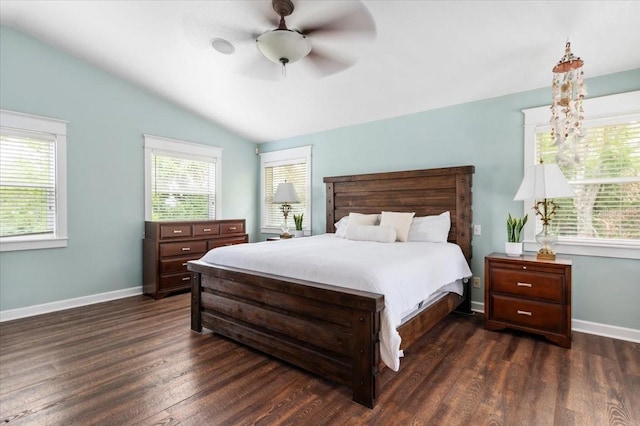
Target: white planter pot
x=298 y=234
x=513 y=249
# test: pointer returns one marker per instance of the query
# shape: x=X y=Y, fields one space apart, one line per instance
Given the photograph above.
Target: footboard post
x=366 y=355
x=196 y=320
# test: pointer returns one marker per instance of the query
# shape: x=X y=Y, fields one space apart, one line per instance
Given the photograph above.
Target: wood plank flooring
x=135 y=361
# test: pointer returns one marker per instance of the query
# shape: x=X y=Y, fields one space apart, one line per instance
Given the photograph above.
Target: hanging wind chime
x=567 y=113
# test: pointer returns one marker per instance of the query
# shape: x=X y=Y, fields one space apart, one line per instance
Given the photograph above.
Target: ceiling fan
x=317 y=34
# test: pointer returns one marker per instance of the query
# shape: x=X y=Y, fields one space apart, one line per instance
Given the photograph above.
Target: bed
x=330 y=330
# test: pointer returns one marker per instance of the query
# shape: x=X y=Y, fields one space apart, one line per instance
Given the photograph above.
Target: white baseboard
x=606 y=330
x=61 y=305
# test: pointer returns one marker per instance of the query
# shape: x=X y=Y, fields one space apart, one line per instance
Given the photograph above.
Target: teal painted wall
x=489 y=135
x=107 y=119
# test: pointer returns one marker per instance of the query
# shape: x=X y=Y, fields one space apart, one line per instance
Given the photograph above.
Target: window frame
x=40 y=124
x=284 y=157
x=602 y=109
x=179 y=149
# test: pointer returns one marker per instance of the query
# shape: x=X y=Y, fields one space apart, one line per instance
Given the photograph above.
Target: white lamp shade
x=286 y=194
x=544 y=181
x=277 y=45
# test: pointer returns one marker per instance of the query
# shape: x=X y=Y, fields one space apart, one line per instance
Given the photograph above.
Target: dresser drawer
x=232 y=228
x=204 y=229
x=176 y=264
x=175 y=231
x=226 y=242
x=175 y=281
x=531 y=284
x=528 y=313
x=183 y=248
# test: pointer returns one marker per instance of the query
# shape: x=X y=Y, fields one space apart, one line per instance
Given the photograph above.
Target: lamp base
x=545 y=255
x=285 y=235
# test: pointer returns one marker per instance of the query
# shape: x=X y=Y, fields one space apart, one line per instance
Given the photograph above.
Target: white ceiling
x=426 y=54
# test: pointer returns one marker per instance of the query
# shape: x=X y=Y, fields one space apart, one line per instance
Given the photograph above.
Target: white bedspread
x=405 y=273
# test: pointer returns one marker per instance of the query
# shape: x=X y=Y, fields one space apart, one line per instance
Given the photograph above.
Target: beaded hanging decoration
x=567 y=113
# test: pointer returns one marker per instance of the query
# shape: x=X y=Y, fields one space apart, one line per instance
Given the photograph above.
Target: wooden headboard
x=425 y=192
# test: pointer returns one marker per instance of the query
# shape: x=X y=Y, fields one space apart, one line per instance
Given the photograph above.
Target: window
x=33 y=186
x=290 y=165
x=182 y=180
x=603 y=168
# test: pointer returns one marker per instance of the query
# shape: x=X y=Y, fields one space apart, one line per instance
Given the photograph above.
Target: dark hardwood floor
x=135 y=361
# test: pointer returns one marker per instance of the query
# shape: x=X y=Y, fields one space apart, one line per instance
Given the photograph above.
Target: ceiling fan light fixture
x=283 y=46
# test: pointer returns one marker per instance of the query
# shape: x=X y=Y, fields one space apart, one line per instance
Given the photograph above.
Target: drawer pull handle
x=186 y=278
x=524 y=285
x=186 y=248
x=232 y=228
x=527 y=313
x=177 y=231
x=207 y=229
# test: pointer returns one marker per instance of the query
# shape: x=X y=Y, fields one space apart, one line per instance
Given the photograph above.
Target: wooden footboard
x=327 y=330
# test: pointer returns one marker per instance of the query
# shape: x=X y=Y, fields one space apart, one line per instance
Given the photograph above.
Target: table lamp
x=285 y=194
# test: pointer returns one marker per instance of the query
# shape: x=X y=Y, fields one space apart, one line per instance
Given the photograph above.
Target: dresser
x=168 y=246
x=527 y=294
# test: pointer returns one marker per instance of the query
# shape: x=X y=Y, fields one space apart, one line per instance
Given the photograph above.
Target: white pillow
x=358 y=219
x=341 y=227
x=401 y=222
x=433 y=229
x=381 y=234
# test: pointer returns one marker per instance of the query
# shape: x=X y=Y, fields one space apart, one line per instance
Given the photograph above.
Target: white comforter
x=405 y=273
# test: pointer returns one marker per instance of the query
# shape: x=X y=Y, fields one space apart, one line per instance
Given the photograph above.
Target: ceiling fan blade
x=324 y=64
x=356 y=20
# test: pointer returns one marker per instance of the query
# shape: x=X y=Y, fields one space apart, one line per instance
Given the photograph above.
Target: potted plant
x=513 y=246
x=297 y=218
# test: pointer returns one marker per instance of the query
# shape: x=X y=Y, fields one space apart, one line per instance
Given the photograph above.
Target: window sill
x=16 y=244
x=622 y=251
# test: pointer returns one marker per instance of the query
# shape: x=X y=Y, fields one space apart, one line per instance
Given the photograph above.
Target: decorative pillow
x=381 y=234
x=401 y=222
x=356 y=219
x=432 y=229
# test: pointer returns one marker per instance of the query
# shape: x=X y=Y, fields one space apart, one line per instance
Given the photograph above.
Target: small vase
x=513 y=249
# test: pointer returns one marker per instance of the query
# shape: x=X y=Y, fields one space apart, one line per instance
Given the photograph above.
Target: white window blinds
x=182 y=188
x=603 y=168
x=295 y=173
x=27 y=183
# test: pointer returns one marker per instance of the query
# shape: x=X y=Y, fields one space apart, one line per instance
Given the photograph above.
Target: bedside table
x=527 y=294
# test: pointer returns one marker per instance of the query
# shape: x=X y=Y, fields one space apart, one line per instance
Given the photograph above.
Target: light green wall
x=107 y=118
x=489 y=135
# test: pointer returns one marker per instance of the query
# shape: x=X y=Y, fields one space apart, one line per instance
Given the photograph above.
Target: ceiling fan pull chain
x=284 y=68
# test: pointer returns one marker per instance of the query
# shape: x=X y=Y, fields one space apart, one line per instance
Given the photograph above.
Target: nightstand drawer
x=528 y=313
x=232 y=228
x=203 y=229
x=182 y=248
x=531 y=284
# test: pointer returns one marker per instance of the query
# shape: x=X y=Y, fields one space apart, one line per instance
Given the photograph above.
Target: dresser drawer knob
x=186 y=278
x=186 y=248
x=527 y=313
x=524 y=285
x=232 y=228
x=206 y=230
x=177 y=231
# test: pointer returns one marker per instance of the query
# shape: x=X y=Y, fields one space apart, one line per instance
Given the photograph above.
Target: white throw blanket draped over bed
x=405 y=273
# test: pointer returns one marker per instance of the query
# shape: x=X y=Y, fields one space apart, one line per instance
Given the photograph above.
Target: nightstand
x=527 y=294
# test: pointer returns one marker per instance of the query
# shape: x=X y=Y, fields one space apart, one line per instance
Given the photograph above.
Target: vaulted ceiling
x=423 y=55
